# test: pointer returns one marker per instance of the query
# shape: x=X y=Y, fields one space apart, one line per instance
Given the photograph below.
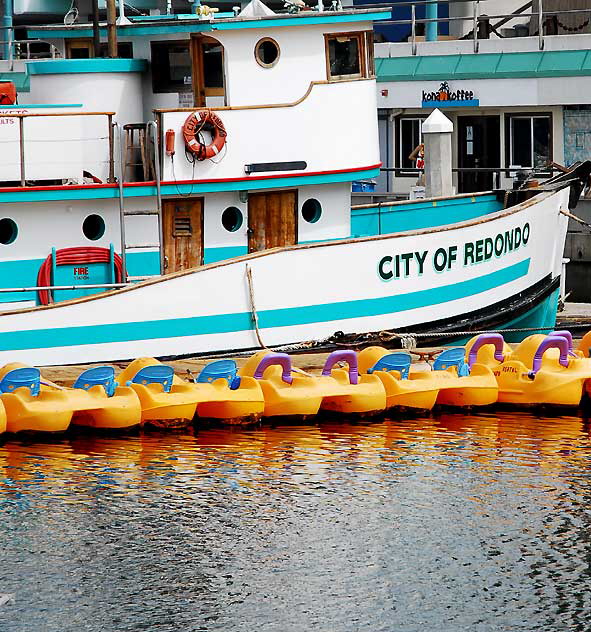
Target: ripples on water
x=452 y=523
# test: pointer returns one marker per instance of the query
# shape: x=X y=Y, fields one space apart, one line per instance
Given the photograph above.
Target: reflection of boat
x=250 y=238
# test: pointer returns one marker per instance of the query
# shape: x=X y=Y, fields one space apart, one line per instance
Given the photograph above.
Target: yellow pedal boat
x=30 y=406
x=166 y=400
x=347 y=391
x=404 y=390
x=228 y=398
x=286 y=395
x=543 y=370
x=102 y=403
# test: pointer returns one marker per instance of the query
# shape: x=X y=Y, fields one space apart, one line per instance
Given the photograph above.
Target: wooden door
x=272 y=220
x=182 y=224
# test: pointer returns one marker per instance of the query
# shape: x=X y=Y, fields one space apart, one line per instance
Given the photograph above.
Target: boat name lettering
x=404 y=264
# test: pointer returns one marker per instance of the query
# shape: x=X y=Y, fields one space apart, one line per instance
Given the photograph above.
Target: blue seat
x=215 y=370
x=452 y=357
x=103 y=375
x=29 y=377
x=393 y=362
x=156 y=374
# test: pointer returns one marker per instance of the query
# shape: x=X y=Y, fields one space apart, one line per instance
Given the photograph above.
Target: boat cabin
x=208 y=137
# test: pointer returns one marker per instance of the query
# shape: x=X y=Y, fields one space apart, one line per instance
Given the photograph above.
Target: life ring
x=204 y=120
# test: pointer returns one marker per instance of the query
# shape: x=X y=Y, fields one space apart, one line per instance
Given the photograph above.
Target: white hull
x=303 y=293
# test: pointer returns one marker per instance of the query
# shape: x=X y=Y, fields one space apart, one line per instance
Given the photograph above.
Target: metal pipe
x=155 y=136
x=413 y=29
x=21 y=142
x=37 y=288
x=121 y=202
x=541 y=24
x=431 y=13
x=476 y=14
x=111 y=149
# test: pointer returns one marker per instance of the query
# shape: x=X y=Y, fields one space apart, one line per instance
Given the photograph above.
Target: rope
x=253 y=309
x=576 y=219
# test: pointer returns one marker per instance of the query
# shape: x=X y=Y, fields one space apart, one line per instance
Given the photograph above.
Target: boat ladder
x=125 y=214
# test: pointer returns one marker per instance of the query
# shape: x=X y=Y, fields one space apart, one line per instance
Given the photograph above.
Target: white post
x=437 y=132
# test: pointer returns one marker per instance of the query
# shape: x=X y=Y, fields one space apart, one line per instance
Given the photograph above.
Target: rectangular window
x=124 y=50
x=530 y=140
x=171 y=67
x=409 y=138
x=349 y=55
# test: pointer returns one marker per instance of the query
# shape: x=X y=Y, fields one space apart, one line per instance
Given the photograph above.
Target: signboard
x=445 y=97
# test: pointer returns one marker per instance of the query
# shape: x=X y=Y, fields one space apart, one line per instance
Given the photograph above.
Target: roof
x=193 y=24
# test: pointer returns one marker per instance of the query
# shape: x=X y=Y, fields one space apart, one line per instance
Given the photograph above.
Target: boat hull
x=495 y=271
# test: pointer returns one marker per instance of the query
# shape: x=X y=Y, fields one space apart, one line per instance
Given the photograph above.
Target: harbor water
x=455 y=522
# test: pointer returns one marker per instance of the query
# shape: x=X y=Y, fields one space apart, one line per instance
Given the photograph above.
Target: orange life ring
x=204 y=120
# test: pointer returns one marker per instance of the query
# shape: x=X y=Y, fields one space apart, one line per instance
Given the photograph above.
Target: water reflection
x=455 y=522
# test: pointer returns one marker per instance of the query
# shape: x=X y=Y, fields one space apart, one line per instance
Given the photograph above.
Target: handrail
x=155 y=137
x=478 y=19
x=37 y=288
x=16 y=45
x=8 y=114
x=119 y=134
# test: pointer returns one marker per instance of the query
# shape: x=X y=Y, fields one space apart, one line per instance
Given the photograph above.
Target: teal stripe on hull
x=227 y=323
x=211 y=255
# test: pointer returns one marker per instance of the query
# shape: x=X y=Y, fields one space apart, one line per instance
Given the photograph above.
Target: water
x=478 y=523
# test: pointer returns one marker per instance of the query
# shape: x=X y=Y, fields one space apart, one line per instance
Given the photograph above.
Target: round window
x=266 y=52
x=93 y=227
x=8 y=231
x=232 y=219
x=311 y=210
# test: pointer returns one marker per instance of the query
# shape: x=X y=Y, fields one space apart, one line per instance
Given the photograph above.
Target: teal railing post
x=431 y=30
x=53 y=272
x=6 y=33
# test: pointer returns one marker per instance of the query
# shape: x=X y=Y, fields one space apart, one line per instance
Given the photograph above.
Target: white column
x=437 y=133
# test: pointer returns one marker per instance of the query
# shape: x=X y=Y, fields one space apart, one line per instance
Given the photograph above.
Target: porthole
x=93 y=227
x=266 y=52
x=311 y=210
x=8 y=231
x=232 y=219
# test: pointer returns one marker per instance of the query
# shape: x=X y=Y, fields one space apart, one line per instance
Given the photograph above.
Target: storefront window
x=410 y=137
x=530 y=141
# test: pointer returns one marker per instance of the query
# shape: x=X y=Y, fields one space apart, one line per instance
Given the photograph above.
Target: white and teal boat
x=194 y=198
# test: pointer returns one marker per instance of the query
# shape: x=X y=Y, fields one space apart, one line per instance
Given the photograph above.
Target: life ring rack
x=197 y=122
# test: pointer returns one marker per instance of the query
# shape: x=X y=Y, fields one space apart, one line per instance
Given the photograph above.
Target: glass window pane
x=541 y=141
x=213 y=66
x=521 y=142
x=343 y=56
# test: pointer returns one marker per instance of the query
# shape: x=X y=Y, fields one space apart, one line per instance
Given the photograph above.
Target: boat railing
x=75 y=140
x=12 y=50
x=542 y=21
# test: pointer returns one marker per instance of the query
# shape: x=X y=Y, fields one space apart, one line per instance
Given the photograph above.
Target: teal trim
x=211 y=255
x=105 y=193
x=143 y=263
x=184 y=26
x=42 y=106
x=79 y=66
x=366 y=222
x=20 y=80
x=538 y=64
x=226 y=323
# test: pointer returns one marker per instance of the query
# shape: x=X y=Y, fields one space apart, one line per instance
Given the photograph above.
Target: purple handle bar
x=569 y=338
x=348 y=356
x=487 y=339
x=281 y=359
x=551 y=342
